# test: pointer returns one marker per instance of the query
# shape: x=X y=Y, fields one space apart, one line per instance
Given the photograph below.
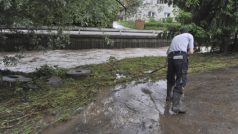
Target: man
x=177 y=60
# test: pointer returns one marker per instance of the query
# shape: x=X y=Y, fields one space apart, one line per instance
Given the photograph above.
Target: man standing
x=177 y=58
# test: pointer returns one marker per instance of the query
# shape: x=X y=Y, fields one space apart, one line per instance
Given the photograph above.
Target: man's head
x=183 y=30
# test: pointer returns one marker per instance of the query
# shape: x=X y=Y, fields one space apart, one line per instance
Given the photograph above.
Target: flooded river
x=73 y=58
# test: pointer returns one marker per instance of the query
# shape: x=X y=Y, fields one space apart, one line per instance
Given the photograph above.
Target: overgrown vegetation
x=212 y=23
x=153 y=25
x=47 y=71
x=159 y=25
x=33 y=15
x=129 y=24
x=218 y=19
x=48 y=105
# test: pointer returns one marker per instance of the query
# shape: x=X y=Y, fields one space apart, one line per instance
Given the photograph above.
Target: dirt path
x=211 y=99
x=212 y=102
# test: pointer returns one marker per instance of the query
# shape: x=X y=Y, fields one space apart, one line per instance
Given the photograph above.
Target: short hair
x=183 y=30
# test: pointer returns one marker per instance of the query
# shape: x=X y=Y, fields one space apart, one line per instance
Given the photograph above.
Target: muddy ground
x=211 y=99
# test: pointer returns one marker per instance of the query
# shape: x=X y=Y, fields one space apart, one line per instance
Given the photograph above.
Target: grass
x=204 y=62
x=152 y=25
x=129 y=24
x=49 y=105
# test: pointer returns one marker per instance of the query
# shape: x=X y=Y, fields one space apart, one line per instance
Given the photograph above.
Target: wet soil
x=211 y=99
x=212 y=103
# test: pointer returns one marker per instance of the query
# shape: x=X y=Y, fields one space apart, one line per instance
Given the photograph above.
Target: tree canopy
x=57 y=12
x=219 y=18
x=62 y=12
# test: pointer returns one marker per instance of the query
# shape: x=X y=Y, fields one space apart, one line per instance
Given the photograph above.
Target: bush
x=47 y=70
x=129 y=24
x=167 y=20
x=162 y=25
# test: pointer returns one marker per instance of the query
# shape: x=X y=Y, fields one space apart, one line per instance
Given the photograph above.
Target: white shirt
x=181 y=42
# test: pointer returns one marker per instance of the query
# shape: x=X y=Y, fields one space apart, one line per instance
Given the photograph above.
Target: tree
x=219 y=18
x=60 y=13
x=57 y=12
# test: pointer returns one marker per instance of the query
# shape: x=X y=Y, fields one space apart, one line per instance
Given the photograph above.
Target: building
x=153 y=9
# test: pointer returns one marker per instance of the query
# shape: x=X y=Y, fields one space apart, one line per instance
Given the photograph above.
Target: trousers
x=177 y=70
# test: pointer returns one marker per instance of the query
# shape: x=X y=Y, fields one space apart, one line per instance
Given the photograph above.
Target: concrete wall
x=88 y=39
x=89 y=42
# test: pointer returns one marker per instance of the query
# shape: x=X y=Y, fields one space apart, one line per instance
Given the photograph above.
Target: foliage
x=183 y=16
x=33 y=14
x=132 y=6
x=154 y=25
x=91 y=13
x=42 y=42
x=200 y=34
x=219 y=18
x=46 y=70
x=108 y=41
x=58 y=41
x=57 y=12
x=62 y=12
x=129 y=24
x=161 y=25
x=11 y=60
x=167 y=20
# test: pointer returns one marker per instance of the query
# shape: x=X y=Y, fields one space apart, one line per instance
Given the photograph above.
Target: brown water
x=74 y=58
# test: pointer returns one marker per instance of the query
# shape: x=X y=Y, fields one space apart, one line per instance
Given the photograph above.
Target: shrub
x=47 y=70
x=162 y=25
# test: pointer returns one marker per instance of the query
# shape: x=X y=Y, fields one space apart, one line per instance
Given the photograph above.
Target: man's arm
x=191 y=45
x=190 y=51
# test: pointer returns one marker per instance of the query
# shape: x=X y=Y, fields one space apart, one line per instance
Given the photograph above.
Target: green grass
x=152 y=25
x=129 y=24
x=49 y=105
x=203 y=62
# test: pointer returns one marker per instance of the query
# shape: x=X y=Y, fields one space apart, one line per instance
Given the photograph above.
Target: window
x=166 y=14
x=151 y=14
x=160 y=2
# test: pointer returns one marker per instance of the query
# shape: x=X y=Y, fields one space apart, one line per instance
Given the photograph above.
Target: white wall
x=159 y=11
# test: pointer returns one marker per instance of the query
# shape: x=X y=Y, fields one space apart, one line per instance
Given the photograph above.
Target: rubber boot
x=169 y=90
x=177 y=105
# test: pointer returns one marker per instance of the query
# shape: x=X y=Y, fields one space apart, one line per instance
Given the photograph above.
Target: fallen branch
x=157 y=70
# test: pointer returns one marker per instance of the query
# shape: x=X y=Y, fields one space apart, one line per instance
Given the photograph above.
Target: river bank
x=49 y=106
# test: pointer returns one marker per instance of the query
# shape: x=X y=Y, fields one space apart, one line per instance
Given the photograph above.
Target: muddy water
x=133 y=108
x=73 y=58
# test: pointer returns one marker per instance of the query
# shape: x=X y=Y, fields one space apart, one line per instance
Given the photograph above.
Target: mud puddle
x=133 y=108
